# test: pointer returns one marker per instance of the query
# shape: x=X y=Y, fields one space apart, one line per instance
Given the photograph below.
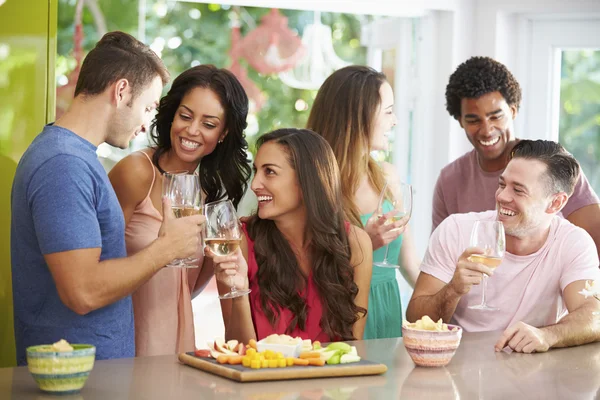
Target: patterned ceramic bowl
x=431 y=348
x=61 y=372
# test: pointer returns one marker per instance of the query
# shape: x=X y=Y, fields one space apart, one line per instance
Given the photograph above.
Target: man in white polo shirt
x=546 y=264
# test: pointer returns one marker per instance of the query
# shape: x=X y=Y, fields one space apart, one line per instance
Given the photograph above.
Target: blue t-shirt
x=62 y=200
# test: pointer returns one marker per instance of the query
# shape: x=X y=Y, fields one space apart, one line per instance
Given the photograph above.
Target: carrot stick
x=310 y=354
x=300 y=361
x=316 y=361
x=252 y=343
x=222 y=359
x=234 y=360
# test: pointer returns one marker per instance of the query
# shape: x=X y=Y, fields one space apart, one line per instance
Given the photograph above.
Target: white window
x=562 y=100
x=579 y=109
x=541 y=95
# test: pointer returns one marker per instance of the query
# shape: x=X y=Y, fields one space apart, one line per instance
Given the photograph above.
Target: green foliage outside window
x=205 y=33
x=580 y=110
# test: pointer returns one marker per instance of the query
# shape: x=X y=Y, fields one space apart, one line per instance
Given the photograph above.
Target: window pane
x=579 y=124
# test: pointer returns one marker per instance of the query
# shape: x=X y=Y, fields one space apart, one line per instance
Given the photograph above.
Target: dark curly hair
x=279 y=276
x=478 y=76
x=225 y=171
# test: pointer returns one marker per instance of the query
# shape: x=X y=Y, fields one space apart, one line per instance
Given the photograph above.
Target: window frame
x=541 y=97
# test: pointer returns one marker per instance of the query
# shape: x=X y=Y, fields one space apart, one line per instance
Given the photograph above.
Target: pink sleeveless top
x=162 y=307
x=263 y=327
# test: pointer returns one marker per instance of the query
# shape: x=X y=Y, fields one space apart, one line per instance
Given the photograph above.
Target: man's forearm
x=440 y=305
x=112 y=280
x=576 y=328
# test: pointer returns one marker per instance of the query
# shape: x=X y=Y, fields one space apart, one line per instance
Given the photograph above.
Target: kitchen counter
x=476 y=371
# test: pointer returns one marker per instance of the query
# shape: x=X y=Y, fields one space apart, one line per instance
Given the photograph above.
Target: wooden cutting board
x=242 y=374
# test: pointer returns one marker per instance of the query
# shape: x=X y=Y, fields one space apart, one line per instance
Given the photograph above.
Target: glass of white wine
x=184 y=192
x=488 y=236
x=397 y=200
x=223 y=235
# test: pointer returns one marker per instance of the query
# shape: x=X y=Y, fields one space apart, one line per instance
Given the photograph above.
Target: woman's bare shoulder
x=133 y=175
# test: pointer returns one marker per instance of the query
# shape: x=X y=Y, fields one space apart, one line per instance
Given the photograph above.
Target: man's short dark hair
x=562 y=168
x=478 y=76
x=119 y=55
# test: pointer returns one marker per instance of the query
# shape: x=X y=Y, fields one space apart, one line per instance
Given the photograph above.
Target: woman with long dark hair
x=199 y=127
x=353 y=111
x=309 y=270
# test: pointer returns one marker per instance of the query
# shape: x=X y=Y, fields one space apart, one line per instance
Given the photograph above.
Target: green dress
x=384 y=317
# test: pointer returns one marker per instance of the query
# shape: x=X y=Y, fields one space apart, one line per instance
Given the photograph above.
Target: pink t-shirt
x=464 y=187
x=524 y=288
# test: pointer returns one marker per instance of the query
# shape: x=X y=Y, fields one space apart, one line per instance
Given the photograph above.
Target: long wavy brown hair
x=343 y=113
x=279 y=276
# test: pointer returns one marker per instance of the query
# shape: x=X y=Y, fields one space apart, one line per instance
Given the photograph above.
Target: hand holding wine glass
x=395 y=209
x=182 y=190
x=468 y=273
x=489 y=237
x=223 y=238
x=183 y=234
x=381 y=231
x=232 y=271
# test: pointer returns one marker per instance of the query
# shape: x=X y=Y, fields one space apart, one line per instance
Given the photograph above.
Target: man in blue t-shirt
x=71 y=277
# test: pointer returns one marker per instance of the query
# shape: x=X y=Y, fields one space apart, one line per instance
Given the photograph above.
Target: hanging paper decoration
x=320 y=60
x=256 y=97
x=272 y=47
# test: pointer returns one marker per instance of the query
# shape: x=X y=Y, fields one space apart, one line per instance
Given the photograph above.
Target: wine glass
x=398 y=201
x=223 y=236
x=488 y=236
x=183 y=190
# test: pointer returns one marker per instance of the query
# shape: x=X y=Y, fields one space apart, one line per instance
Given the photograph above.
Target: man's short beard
x=519 y=232
x=524 y=229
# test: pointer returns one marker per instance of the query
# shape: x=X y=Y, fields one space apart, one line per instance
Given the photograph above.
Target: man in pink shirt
x=484 y=97
x=546 y=264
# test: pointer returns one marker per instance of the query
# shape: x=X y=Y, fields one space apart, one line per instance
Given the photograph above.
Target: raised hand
x=183 y=234
x=468 y=273
x=382 y=232
x=231 y=270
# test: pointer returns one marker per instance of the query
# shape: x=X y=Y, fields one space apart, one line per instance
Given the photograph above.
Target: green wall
x=27 y=93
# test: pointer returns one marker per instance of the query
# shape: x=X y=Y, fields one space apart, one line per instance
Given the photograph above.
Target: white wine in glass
x=184 y=192
x=185 y=211
x=395 y=199
x=223 y=236
x=488 y=236
x=394 y=218
x=488 y=261
x=222 y=247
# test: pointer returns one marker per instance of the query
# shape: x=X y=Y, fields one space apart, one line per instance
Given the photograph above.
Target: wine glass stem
x=233 y=288
x=485 y=278
x=385 y=256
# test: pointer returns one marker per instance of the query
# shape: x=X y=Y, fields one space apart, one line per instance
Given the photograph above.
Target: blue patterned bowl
x=61 y=372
